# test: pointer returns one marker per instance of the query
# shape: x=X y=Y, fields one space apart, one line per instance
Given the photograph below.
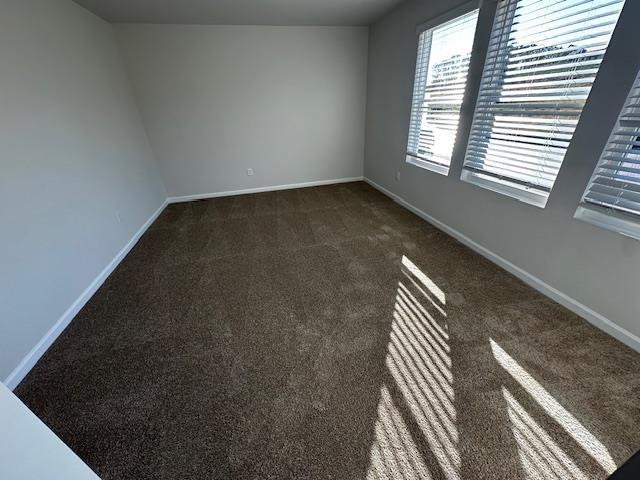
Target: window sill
x=504 y=187
x=609 y=220
x=434 y=167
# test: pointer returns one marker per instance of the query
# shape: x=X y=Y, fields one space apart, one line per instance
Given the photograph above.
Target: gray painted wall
x=597 y=268
x=288 y=102
x=73 y=152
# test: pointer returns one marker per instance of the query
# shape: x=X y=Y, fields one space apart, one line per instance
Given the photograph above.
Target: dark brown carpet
x=327 y=333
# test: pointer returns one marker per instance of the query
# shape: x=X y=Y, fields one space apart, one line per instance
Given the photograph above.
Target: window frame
x=610 y=218
x=505 y=185
x=432 y=24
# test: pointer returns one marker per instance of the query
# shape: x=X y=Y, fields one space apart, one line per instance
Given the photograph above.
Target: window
x=542 y=59
x=612 y=198
x=441 y=76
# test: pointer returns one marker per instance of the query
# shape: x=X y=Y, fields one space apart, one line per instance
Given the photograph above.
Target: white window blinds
x=441 y=76
x=542 y=59
x=612 y=198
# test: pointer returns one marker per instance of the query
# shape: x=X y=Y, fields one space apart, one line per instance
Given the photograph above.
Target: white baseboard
x=563 y=299
x=29 y=361
x=203 y=196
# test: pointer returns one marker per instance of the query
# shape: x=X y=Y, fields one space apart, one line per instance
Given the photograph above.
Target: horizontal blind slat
x=615 y=184
x=542 y=60
x=444 y=54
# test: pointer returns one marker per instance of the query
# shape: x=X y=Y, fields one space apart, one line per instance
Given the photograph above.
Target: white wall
x=288 y=102
x=598 y=269
x=29 y=450
x=73 y=152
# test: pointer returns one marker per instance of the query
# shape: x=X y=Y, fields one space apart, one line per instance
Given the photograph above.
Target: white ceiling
x=241 y=12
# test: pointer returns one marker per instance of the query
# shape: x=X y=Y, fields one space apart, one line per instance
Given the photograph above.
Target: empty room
x=319 y=239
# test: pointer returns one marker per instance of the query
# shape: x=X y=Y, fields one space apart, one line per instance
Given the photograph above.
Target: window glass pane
x=612 y=198
x=542 y=60
x=441 y=75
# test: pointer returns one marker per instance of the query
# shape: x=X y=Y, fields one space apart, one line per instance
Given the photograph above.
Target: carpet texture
x=328 y=333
